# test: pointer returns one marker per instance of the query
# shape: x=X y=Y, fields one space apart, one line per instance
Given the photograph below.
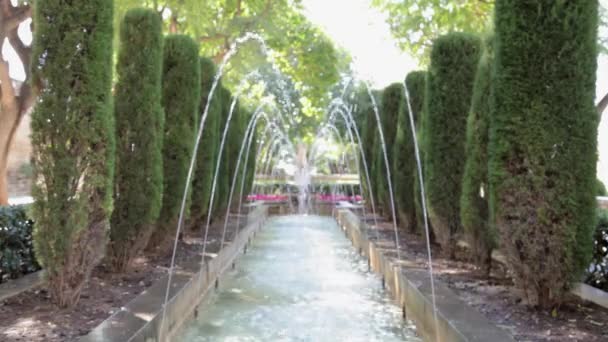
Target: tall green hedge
x=207 y=152
x=236 y=132
x=601 y=189
x=415 y=82
x=367 y=130
x=181 y=96
x=139 y=130
x=223 y=179
x=391 y=104
x=474 y=212
x=72 y=140
x=404 y=163
x=543 y=142
x=451 y=74
x=251 y=163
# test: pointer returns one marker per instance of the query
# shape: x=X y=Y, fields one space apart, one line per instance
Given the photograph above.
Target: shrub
x=474 y=211
x=181 y=89
x=236 y=133
x=72 y=140
x=223 y=179
x=450 y=78
x=601 y=189
x=367 y=130
x=139 y=131
x=251 y=163
x=597 y=275
x=543 y=142
x=391 y=104
x=404 y=160
x=415 y=82
x=16 y=244
x=207 y=151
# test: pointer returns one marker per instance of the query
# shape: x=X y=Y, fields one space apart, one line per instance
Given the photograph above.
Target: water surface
x=301 y=280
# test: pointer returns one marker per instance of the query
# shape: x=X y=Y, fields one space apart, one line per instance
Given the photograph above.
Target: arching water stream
x=301 y=280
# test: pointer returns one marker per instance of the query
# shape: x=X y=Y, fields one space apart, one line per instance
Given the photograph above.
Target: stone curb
x=410 y=288
x=140 y=319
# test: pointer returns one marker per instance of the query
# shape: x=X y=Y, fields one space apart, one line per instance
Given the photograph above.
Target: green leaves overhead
x=301 y=51
x=415 y=24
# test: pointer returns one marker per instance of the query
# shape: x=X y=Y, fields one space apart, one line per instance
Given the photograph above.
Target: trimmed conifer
x=474 y=212
x=223 y=179
x=416 y=87
x=543 y=142
x=181 y=96
x=451 y=74
x=207 y=151
x=139 y=130
x=404 y=163
x=72 y=140
x=601 y=189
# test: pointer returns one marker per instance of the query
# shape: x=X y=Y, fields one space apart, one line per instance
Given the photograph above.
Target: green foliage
x=366 y=124
x=181 y=96
x=601 y=189
x=404 y=159
x=597 y=274
x=207 y=152
x=415 y=82
x=251 y=163
x=416 y=87
x=216 y=24
x=223 y=178
x=543 y=142
x=416 y=24
x=236 y=135
x=474 y=211
x=389 y=107
x=16 y=244
x=139 y=130
x=73 y=140
x=450 y=80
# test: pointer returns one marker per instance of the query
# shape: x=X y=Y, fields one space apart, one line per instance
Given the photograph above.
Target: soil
x=32 y=316
x=496 y=297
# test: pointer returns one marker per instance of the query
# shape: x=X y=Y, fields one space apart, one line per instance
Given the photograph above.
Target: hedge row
x=88 y=186
x=72 y=140
x=474 y=208
x=138 y=183
x=451 y=74
x=543 y=142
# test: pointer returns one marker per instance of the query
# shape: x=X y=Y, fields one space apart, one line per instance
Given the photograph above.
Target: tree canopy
x=308 y=60
x=415 y=24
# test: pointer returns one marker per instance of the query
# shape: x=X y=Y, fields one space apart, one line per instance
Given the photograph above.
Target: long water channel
x=301 y=280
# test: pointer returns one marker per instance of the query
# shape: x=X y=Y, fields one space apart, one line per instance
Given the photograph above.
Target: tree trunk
x=14 y=103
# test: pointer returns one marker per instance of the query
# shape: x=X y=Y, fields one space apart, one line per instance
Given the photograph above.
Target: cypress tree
x=543 y=142
x=474 y=213
x=223 y=179
x=404 y=163
x=451 y=74
x=391 y=104
x=73 y=141
x=251 y=163
x=367 y=130
x=415 y=82
x=139 y=130
x=181 y=89
x=207 y=152
x=601 y=189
